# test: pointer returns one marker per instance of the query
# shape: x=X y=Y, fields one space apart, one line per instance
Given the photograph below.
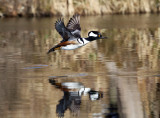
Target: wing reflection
x=72 y=96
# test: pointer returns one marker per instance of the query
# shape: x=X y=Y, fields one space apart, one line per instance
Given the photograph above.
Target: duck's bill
x=104 y=37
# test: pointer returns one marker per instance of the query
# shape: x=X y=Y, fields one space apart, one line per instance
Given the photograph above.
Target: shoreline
x=50 y=8
x=51 y=15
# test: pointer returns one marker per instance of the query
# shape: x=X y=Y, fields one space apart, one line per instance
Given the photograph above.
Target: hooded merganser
x=71 y=34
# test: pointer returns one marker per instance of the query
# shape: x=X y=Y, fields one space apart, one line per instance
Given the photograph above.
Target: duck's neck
x=90 y=38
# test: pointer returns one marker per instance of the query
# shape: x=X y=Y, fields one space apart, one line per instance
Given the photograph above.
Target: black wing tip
x=75 y=19
x=76 y=14
x=60 y=20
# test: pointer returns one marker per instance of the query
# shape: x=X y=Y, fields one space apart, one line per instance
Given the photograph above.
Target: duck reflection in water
x=72 y=96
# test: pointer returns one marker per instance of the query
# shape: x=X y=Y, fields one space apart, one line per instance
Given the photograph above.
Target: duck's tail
x=57 y=47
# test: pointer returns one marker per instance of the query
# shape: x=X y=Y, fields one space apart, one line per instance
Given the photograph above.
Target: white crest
x=92 y=34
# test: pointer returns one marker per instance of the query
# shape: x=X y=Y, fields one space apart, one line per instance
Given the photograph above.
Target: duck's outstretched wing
x=62 y=30
x=74 y=26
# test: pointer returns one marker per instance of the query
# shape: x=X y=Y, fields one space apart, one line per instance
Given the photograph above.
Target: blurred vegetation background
x=83 y=7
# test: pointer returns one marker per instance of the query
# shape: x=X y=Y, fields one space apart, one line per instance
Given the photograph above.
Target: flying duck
x=71 y=34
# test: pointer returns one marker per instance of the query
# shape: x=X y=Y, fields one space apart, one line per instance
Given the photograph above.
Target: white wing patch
x=92 y=34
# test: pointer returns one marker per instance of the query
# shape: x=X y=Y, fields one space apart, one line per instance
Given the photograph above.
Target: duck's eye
x=99 y=35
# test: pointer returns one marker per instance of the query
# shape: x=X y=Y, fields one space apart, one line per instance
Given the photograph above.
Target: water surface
x=122 y=73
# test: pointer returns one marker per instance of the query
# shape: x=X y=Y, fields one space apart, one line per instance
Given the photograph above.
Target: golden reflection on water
x=124 y=67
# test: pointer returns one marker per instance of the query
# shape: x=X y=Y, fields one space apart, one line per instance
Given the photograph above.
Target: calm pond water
x=117 y=77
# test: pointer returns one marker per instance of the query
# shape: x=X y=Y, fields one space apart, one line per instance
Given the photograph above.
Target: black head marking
x=94 y=35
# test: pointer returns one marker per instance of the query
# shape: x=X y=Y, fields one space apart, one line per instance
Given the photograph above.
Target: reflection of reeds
x=150 y=95
x=143 y=44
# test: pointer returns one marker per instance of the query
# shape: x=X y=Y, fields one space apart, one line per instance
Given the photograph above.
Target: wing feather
x=59 y=26
x=62 y=30
x=74 y=26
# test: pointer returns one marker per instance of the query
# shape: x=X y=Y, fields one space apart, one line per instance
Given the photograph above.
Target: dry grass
x=85 y=7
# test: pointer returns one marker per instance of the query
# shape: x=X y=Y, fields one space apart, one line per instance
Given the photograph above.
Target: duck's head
x=94 y=35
